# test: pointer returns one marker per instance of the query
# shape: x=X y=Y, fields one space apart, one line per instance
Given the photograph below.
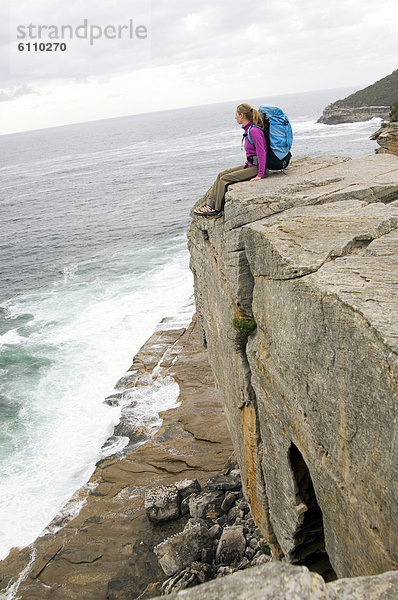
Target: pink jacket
x=258 y=148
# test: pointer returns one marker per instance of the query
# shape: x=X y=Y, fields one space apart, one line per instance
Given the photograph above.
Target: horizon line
x=170 y=110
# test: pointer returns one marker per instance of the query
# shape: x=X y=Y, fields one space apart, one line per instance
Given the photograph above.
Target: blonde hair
x=250 y=113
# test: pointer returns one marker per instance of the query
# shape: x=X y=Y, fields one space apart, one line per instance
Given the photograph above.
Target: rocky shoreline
x=334 y=115
x=106 y=551
x=307 y=260
x=387 y=138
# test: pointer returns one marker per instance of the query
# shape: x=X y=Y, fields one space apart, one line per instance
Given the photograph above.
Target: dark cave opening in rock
x=309 y=538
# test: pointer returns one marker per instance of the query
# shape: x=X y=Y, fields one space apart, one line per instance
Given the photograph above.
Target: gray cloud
x=206 y=36
x=12 y=94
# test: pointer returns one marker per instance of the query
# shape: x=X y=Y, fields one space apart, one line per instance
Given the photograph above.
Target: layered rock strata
x=107 y=550
x=387 y=138
x=334 y=114
x=310 y=257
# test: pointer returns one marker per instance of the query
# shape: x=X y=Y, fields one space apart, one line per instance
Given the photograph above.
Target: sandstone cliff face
x=387 y=138
x=333 y=115
x=311 y=396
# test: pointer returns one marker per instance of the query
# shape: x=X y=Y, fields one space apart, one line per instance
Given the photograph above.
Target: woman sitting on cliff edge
x=254 y=168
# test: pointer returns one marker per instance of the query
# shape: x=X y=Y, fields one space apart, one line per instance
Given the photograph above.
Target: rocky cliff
x=334 y=114
x=387 y=138
x=296 y=291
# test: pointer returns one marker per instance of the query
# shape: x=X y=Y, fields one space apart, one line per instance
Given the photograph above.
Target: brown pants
x=224 y=179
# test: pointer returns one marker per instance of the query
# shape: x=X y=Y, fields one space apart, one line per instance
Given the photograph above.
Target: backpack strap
x=248 y=133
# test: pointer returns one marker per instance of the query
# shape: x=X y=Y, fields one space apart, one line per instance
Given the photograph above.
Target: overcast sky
x=183 y=53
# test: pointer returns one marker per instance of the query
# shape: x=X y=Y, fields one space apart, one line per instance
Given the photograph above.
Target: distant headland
x=375 y=100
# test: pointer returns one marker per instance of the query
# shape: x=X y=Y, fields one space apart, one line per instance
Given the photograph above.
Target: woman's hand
x=255 y=178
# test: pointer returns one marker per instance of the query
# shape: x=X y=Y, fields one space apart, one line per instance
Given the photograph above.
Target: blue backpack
x=278 y=135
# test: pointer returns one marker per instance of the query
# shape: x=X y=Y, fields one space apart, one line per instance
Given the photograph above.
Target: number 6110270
x=42 y=46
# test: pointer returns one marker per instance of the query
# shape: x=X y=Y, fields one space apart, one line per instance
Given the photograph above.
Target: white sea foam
x=71 y=509
x=179 y=317
x=12 y=587
x=86 y=334
x=146 y=402
x=345 y=139
x=302 y=128
x=11 y=338
x=69 y=272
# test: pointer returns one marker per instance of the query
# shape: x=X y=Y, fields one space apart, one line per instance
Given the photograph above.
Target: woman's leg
x=213 y=192
x=226 y=178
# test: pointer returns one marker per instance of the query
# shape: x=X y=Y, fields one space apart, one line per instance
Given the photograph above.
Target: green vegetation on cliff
x=244 y=325
x=394 y=113
x=382 y=93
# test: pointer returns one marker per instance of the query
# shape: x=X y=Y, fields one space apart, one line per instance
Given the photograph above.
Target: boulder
x=206 y=504
x=224 y=482
x=276 y=581
x=175 y=553
x=186 y=487
x=231 y=546
x=381 y=587
x=162 y=503
x=194 y=522
x=184 y=506
x=282 y=581
x=192 y=575
x=228 y=501
x=233 y=514
x=215 y=531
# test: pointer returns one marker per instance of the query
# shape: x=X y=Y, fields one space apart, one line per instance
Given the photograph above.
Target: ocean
x=93 y=255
